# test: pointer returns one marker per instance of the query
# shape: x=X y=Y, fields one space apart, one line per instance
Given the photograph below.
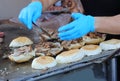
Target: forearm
x=109 y=25
x=46 y=3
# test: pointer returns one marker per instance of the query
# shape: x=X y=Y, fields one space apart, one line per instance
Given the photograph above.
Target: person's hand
x=30 y=13
x=81 y=25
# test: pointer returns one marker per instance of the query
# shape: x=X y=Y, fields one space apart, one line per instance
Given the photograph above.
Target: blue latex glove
x=81 y=25
x=30 y=13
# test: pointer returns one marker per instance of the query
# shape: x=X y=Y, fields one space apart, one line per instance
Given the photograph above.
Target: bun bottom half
x=22 y=57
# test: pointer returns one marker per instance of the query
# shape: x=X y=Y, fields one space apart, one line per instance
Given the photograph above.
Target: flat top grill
x=23 y=72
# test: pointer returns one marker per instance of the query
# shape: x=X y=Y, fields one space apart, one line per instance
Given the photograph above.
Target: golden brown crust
x=69 y=53
x=90 y=47
x=20 y=41
x=94 y=38
x=89 y=50
x=112 y=41
x=44 y=60
x=110 y=44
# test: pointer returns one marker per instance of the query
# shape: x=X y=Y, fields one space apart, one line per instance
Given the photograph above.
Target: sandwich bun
x=69 y=56
x=43 y=62
x=110 y=44
x=94 y=38
x=91 y=50
x=20 y=41
x=89 y=40
x=21 y=49
x=22 y=57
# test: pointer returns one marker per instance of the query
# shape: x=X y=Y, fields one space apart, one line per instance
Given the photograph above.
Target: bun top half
x=69 y=56
x=20 y=41
x=43 y=60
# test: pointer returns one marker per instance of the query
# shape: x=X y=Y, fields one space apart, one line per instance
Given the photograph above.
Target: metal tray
x=10 y=71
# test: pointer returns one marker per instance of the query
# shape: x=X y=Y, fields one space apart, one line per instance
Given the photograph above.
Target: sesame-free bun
x=91 y=50
x=110 y=44
x=43 y=62
x=20 y=41
x=89 y=40
x=69 y=56
x=22 y=57
x=94 y=38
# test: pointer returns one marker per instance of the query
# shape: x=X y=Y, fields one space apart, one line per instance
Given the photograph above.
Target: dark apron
x=102 y=8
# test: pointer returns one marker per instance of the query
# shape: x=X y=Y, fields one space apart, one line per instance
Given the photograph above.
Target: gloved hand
x=81 y=25
x=30 y=13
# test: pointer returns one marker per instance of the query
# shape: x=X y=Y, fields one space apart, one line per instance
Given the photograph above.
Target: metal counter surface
x=24 y=72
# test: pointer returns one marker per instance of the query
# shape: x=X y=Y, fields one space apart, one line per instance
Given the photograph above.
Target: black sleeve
x=101 y=7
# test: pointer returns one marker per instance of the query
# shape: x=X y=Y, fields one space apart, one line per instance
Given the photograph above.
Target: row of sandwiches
x=22 y=51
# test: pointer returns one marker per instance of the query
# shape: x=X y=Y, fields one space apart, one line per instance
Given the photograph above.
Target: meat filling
x=21 y=50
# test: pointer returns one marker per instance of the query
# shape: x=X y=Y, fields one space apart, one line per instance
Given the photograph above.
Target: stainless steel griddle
x=10 y=71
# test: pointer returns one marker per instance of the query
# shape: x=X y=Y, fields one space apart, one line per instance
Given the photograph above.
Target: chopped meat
x=73 y=5
x=49 y=48
x=54 y=22
x=54 y=8
x=74 y=44
x=22 y=50
x=96 y=35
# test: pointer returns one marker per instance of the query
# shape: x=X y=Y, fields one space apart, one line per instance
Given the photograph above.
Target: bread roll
x=20 y=41
x=110 y=44
x=91 y=50
x=69 y=56
x=94 y=38
x=22 y=57
x=43 y=62
x=21 y=49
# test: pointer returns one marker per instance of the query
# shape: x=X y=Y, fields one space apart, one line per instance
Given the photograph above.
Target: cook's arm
x=46 y=3
x=109 y=25
x=83 y=24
